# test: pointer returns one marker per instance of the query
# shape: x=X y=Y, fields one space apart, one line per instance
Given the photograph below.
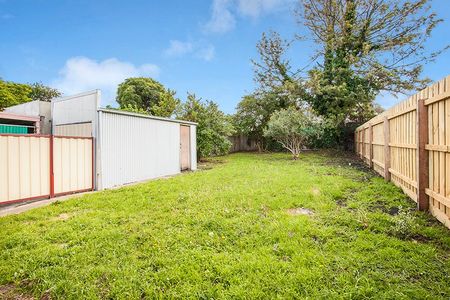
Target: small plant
x=404 y=224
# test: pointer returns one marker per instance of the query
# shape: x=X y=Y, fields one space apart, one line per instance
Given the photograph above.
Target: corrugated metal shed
x=130 y=147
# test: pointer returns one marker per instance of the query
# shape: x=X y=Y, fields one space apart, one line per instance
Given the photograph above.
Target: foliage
x=147 y=94
x=42 y=92
x=404 y=223
x=213 y=129
x=382 y=41
x=224 y=233
x=363 y=48
x=12 y=93
x=293 y=129
x=253 y=113
x=133 y=108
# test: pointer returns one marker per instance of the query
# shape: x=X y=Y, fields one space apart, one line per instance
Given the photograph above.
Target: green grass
x=224 y=232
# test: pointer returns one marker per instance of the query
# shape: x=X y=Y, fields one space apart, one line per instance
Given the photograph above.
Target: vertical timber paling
x=422 y=155
x=370 y=146
x=387 y=152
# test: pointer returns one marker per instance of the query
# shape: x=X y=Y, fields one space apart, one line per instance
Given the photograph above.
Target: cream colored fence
x=24 y=167
x=37 y=166
x=72 y=164
x=409 y=145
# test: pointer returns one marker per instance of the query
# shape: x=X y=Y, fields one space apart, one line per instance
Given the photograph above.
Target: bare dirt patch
x=299 y=211
x=10 y=292
x=62 y=217
x=315 y=191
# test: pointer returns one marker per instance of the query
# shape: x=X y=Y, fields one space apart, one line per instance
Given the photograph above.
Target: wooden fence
x=242 y=143
x=409 y=145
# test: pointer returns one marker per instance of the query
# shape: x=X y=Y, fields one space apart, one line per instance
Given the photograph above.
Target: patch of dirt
x=10 y=292
x=61 y=217
x=420 y=238
x=315 y=191
x=298 y=211
x=393 y=211
x=342 y=202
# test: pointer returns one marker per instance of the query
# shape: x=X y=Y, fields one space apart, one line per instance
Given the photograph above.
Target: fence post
x=52 y=177
x=387 y=152
x=422 y=155
x=370 y=146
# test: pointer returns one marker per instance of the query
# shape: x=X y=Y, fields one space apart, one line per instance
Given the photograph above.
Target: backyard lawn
x=245 y=226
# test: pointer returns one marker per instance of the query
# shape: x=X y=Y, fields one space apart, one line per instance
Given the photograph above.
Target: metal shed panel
x=136 y=148
x=193 y=147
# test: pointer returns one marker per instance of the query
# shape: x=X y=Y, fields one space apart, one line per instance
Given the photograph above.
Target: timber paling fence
x=409 y=144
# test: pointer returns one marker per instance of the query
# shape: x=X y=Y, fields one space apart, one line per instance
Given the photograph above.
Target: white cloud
x=223 y=16
x=207 y=53
x=197 y=49
x=222 y=20
x=255 y=8
x=81 y=74
x=178 y=48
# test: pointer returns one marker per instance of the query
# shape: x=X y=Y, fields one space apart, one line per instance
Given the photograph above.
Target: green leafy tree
x=363 y=47
x=43 y=93
x=253 y=113
x=214 y=127
x=12 y=93
x=293 y=129
x=133 y=109
x=148 y=95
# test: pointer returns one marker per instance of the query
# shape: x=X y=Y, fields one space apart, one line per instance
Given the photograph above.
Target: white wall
x=78 y=108
x=193 y=147
x=136 y=148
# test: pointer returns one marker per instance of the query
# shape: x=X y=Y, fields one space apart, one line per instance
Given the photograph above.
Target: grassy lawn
x=227 y=232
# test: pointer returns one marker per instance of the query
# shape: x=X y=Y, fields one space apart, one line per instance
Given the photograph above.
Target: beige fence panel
x=403 y=146
x=438 y=104
x=378 y=147
x=78 y=130
x=25 y=168
x=72 y=164
x=390 y=144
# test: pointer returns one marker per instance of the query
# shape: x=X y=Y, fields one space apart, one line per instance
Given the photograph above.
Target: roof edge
x=126 y=113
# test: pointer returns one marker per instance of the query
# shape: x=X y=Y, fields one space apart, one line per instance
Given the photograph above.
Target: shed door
x=185 y=146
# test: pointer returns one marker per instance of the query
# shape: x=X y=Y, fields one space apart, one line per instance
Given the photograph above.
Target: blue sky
x=201 y=46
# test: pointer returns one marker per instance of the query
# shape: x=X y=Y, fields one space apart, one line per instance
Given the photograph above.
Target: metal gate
x=43 y=166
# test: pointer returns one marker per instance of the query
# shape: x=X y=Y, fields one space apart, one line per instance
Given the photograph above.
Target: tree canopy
x=363 y=47
x=293 y=129
x=12 y=93
x=42 y=92
x=147 y=94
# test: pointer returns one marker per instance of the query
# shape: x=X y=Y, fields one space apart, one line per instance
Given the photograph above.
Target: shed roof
x=121 y=112
x=9 y=116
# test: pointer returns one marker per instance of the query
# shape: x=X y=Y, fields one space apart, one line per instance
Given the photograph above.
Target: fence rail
x=409 y=145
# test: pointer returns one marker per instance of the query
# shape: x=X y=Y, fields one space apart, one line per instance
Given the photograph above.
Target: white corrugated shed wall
x=193 y=147
x=136 y=148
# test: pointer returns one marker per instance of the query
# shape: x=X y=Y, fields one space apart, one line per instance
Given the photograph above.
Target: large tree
x=12 y=93
x=363 y=47
x=253 y=113
x=147 y=94
x=42 y=92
